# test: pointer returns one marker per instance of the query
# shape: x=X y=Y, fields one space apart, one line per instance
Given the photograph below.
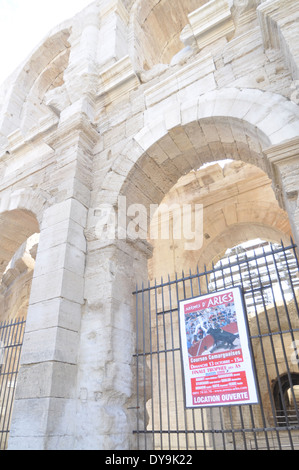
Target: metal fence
x=268 y=276
x=11 y=340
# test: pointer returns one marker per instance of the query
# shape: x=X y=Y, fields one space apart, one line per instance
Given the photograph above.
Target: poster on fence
x=216 y=353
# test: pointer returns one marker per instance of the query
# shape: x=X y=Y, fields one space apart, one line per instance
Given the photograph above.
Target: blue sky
x=24 y=23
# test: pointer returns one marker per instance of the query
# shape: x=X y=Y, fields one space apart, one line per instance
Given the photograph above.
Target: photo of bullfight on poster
x=216 y=354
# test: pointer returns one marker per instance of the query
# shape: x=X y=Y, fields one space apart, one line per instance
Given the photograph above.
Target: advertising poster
x=216 y=354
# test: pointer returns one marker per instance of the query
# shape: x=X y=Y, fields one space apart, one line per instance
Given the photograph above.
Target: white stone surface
x=111 y=103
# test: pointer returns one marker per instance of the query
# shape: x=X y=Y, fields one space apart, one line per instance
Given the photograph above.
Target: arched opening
x=42 y=73
x=16 y=281
x=154 y=16
x=216 y=126
x=19 y=237
x=286 y=398
x=16 y=226
x=239 y=205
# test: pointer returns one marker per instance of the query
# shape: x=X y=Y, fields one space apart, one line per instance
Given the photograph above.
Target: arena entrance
x=269 y=281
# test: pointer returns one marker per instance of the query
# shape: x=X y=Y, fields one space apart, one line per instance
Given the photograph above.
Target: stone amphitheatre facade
x=126 y=102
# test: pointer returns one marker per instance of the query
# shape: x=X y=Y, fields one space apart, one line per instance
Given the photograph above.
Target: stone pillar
x=44 y=408
x=284 y=161
x=113 y=43
x=101 y=42
x=44 y=414
x=106 y=383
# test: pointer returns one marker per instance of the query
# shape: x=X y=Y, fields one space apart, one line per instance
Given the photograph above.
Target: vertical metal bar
x=232 y=282
x=193 y=411
x=144 y=369
x=290 y=275
x=166 y=365
x=241 y=282
x=14 y=366
x=12 y=333
x=3 y=369
x=158 y=364
x=10 y=362
x=202 y=412
x=262 y=349
x=137 y=370
x=151 y=364
x=173 y=366
x=3 y=331
x=277 y=269
x=210 y=409
x=220 y=409
x=297 y=310
x=269 y=333
x=198 y=280
x=184 y=297
x=4 y=387
x=283 y=347
x=185 y=414
x=229 y=408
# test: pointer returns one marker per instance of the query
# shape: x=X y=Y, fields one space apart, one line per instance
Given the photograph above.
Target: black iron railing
x=11 y=340
x=268 y=277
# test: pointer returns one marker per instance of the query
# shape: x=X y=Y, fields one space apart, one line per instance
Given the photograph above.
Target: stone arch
x=153 y=15
x=16 y=280
x=285 y=394
x=237 y=234
x=24 y=103
x=23 y=200
x=21 y=213
x=230 y=123
x=20 y=217
x=16 y=227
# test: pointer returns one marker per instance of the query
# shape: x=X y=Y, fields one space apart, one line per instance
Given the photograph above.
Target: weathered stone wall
x=123 y=100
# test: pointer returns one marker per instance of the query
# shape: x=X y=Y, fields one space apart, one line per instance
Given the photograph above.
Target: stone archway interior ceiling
x=238 y=205
x=16 y=227
x=238 y=234
x=154 y=15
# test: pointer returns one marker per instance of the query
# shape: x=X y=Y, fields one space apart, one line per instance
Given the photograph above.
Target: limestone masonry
x=130 y=98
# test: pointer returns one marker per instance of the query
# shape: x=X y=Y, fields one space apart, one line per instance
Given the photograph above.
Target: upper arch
x=20 y=217
x=23 y=105
x=153 y=15
x=230 y=123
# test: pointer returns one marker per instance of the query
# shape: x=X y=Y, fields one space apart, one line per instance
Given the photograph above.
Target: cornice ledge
x=283 y=152
x=18 y=140
x=70 y=131
x=211 y=22
x=179 y=80
x=117 y=80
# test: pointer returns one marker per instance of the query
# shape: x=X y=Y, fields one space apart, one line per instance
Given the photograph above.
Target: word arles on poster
x=216 y=352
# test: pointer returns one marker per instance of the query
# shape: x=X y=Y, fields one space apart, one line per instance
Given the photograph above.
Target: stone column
x=100 y=42
x=44 y=408
x=106 y=381
x=284 y=161
x=44 y=414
